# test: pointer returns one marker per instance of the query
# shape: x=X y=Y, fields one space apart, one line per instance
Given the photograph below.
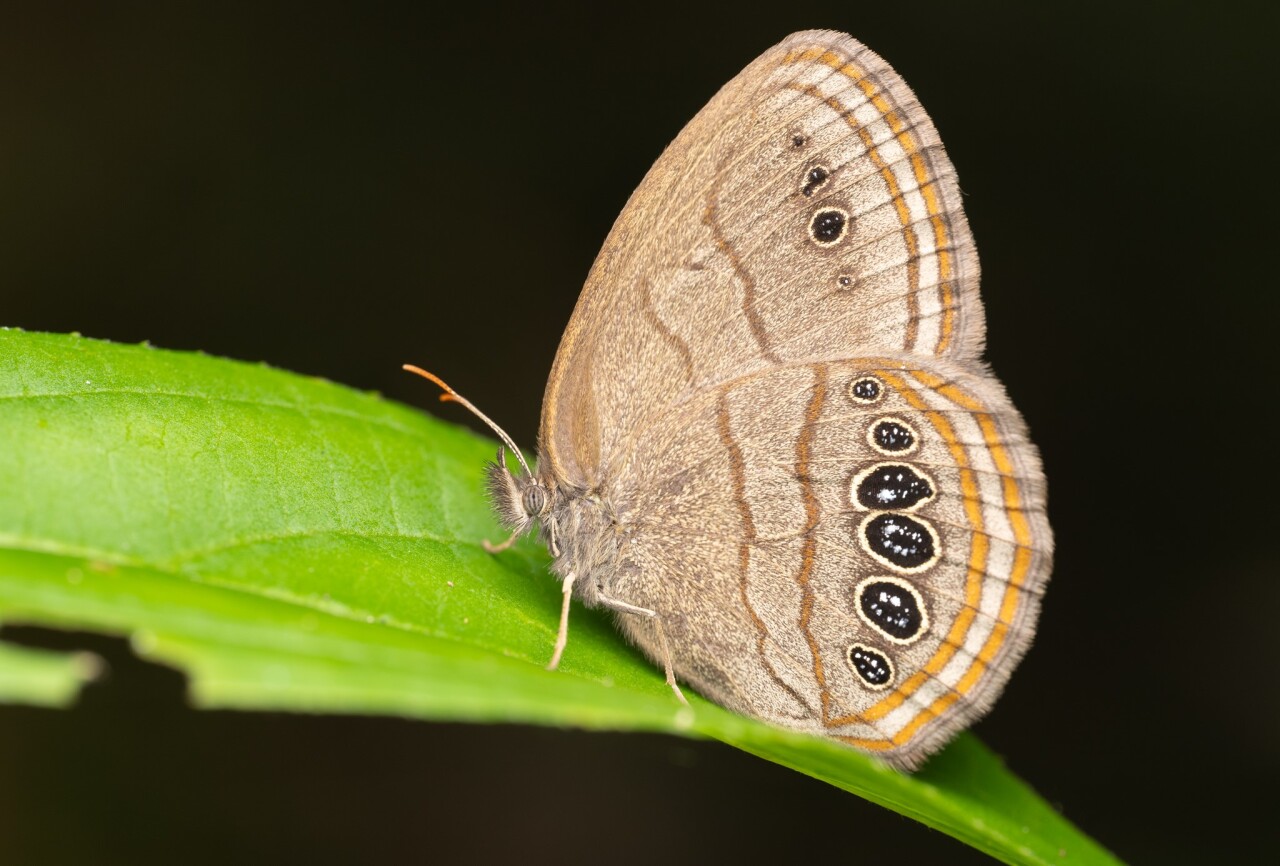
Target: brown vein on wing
x=748 y=282
x=673 y=215
x=669 y=337
x=743 y=102
x=738 y=470
x=813 y=515
x=745 y=151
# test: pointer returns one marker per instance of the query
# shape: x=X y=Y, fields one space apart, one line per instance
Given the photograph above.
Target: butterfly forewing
x=808 y=212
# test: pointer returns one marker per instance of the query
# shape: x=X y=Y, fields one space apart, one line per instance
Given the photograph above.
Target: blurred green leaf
x=292 y=544
x=45 y=679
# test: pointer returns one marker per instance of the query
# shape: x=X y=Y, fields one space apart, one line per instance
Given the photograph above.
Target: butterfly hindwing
x=854 y=548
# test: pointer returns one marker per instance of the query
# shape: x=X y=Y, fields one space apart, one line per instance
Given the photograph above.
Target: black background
x=337 y=190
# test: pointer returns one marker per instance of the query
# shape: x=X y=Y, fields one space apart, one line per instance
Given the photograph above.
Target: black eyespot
x=874 y=668
x=816 y=177
x=866 y=390
x=892 y=485
x=798 y=140
x=828 y=226
x=534 y=499
x=899 y=541
x=844 y=281
x=894 y=608
x=893 y=436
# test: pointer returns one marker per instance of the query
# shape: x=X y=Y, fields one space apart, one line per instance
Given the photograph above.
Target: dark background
x=339 y=190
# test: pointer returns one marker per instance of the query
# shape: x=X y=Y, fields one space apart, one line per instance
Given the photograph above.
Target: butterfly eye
x=535 y=499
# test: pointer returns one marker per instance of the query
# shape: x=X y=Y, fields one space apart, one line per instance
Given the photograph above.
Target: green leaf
x=292 y=544
x=45 y=679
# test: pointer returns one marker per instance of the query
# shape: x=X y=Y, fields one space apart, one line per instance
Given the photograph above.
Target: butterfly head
x=518 y=498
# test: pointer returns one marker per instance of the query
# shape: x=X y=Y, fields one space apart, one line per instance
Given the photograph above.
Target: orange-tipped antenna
x=452 y=395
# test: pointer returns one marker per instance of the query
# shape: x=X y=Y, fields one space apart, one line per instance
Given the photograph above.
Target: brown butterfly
x=769 y=443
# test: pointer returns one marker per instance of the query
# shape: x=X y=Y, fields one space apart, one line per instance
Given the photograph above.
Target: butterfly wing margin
x=747 y=533
x=713 y=269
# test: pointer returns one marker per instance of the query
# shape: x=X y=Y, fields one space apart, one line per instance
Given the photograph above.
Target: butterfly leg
x=498 y=548
x=622 y=606
x=551 y=539
x=562 y=636
x=666 y=661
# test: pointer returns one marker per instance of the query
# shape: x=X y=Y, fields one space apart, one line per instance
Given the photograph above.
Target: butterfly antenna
x=452 y=396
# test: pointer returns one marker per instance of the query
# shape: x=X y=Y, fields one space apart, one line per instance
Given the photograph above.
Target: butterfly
x=769 y=443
